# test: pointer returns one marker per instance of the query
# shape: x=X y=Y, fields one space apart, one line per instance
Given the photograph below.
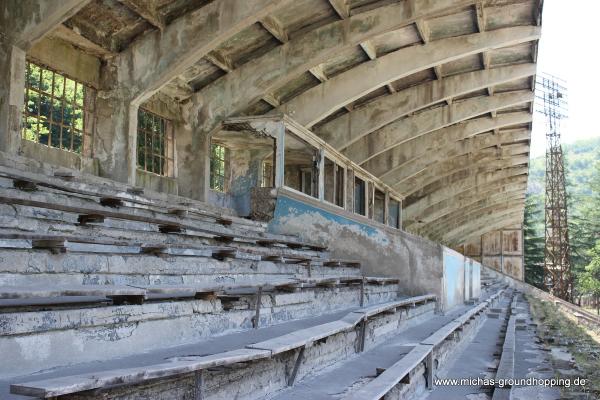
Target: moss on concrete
x=556 y=328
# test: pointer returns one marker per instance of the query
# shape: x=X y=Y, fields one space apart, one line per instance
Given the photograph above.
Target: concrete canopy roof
x=413 y=90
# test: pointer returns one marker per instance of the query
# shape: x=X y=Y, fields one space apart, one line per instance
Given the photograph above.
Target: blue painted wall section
x=287 y=208
x=476 y=279
x=422 y=266
x=454 y=284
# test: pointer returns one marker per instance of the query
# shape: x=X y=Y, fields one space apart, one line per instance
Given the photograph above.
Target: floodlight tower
x=551 y=98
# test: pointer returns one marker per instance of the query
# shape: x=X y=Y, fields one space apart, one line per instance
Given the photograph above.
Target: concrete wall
x=501 y=250
x=420 y=264
x=454 y=278
x=476 y=284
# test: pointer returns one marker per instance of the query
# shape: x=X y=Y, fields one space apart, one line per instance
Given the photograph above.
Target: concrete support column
x=12 y=84
x=115 y=138
x=22 y=23
x=193 y=161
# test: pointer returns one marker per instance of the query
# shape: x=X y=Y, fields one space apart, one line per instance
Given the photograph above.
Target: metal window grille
x=57 y=109
x=217 y=167
x=155 y=147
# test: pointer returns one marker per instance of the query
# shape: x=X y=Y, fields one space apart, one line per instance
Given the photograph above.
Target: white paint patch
x=385 y=329
x=35 y=347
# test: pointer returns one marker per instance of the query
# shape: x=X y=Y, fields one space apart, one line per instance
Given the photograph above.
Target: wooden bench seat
x=129 y=376
x=136 y=294
x=302 y=337
x=49 y=241
x=377 y=388
x=182 y=365
x=392 y=376
x=382 y=280
x=116 y=293
x=379 y=308
x=165 y=223
x=342 y=263
x=66 y=181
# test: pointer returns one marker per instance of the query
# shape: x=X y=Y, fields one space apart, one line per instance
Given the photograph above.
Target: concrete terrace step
x=164 y=223
x=244 y=347
x=82 y=184
x=137 y=294
x=397 y=357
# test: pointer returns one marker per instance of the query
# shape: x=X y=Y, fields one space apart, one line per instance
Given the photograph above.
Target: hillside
x=580 y=158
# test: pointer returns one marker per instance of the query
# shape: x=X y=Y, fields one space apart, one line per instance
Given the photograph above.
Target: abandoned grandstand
x=265 y=199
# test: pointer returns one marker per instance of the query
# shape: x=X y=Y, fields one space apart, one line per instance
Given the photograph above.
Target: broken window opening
x=268 y=176
x=379 y=206
x=56 y=109
x=360 y=188
x=334 y=183
x=394 y=213
x=217 y=167
x=301 y=170
x=155 y=146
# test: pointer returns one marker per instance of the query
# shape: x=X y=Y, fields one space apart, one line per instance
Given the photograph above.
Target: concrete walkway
x=474 y=362
x=478 y=360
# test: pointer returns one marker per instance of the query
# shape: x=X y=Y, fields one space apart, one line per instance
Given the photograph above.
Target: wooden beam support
x=147 y=11
x=341 y=7
x=275 y=28
x=256 y=318
x=297 y=364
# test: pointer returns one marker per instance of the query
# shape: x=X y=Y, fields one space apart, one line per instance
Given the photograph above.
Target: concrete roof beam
x=343 y=131
x=449 y=188
x=323 y=100
x=468 y=197
x=249 y=83
x=411 y=157
x=484 y=160
x=385 y=139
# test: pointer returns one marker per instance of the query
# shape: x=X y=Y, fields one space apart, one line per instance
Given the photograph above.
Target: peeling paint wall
x=501 y=250
x=454 y=278
x=418 y=262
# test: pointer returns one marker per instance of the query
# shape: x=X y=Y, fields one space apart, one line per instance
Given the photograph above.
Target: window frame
x=376 y=189
x=224 y=163
x=85 y=108
x=337 y=166
x=167 y=158
x=315 y=169
x=398 y=221
x=365 y=200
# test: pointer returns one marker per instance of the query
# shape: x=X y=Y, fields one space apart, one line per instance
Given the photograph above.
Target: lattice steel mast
x=551 y=98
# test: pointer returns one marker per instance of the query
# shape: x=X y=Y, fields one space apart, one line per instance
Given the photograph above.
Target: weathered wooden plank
x=302 y=337
x=392 y=376
x=27 y=292
x=129 y=376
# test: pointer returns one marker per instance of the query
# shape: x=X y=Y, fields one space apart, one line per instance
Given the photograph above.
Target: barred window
x=55 y=109
x=155 y=147
x=217 y=167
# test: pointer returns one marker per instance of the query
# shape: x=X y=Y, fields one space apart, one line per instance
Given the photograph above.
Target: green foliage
x=217 y=167
x=590 y=278
x=53 y=112
x=151 y=150
x=533 y=235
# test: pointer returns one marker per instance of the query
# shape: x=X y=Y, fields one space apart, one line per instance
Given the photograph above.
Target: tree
x=533 y=237
x=53 y=109
x=590 y=279
x=584 y=229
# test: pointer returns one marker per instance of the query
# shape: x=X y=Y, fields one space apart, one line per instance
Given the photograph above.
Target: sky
x=570 y=49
